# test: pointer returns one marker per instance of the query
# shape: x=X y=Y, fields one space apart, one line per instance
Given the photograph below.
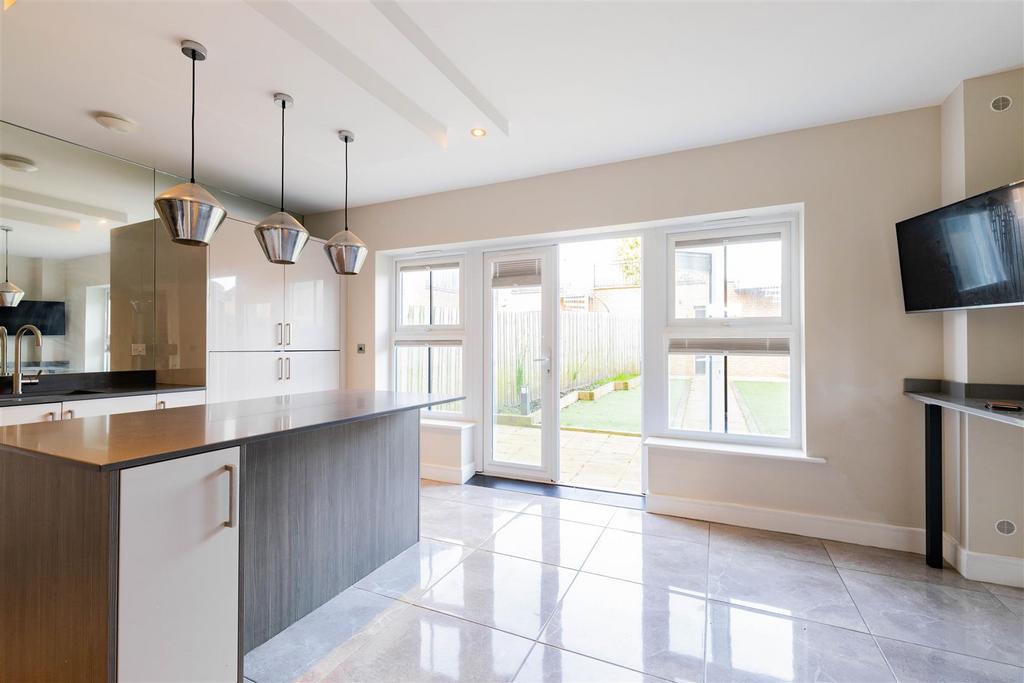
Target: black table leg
x=933 y=485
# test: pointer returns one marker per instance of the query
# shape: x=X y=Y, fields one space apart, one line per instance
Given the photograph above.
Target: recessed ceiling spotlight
x=19 y=164
x=114 y=122
x=477 y=132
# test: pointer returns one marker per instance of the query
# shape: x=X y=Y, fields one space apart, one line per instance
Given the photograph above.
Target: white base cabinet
x=180 y=399
x=178 y=570
x=40 y=412
x=108 y=406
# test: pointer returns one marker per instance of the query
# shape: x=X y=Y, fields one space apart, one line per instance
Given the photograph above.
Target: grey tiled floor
x=507 y=586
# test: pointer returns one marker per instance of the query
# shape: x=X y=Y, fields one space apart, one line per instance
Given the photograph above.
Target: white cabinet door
x=238 y=375
x=108 y=406
x=312 y=302
x=177 y=607
x=307 y=371
x=40 y=412
x=178 y=399
x=246 y=306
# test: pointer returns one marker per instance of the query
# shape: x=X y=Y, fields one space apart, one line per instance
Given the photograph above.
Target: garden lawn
x=767 y=404
x=618 y=411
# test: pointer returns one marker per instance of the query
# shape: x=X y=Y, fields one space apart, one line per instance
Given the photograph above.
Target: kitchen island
x=163 y=545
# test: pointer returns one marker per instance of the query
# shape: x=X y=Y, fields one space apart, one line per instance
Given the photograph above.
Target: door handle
x=280 y=368
x=287 y=368
x=546 y=361
x=280 y=335
x=287 y=334
x=234 y=489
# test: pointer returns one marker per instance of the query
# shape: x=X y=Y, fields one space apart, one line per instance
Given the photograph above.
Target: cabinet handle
x=287 y=368
x=69 y=414
x=287 y=334
x=280 y=368
x=160 y=405
x=280 y=337
x=233 y=491
x=51 y=416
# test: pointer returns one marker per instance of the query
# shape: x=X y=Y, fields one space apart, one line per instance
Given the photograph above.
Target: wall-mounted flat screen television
x=965 y=255
x=48 y=316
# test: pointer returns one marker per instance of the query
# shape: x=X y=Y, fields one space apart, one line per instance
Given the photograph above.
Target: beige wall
x=856 y=180
x=981 y=150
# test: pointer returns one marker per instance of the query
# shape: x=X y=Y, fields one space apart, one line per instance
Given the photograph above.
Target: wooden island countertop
x=114 y=442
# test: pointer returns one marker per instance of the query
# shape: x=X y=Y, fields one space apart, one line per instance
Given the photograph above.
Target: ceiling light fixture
x=477 y=132
x=10 y=293
x=19 y=164
x=114 y=122
x=189 y=212
x=346 y=251
x=279 y=234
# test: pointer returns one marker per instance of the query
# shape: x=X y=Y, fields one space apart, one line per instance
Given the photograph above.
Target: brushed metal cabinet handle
x=287 y=334
x=280 y=368
x=51 y=416
x=69 y=414
x=160 y=405
x=287 y=368
x=280 y=336
x=234 y=488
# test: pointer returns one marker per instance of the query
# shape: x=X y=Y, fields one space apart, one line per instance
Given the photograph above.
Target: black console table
x=964 y=398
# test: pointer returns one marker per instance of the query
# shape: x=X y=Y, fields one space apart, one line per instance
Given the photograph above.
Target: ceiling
x=573 y=83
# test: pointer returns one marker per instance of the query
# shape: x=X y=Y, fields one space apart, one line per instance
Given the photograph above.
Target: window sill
x=731 y=449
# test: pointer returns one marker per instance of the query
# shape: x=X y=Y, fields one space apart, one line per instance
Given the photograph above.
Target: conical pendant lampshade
x=346 y=251
x=190 y=213
x=10 y=294
x=279 y=234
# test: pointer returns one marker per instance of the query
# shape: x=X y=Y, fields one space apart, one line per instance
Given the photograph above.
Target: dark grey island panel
x=320 y=510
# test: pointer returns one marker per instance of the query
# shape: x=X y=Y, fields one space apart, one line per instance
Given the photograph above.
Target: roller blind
x=742 y=346
x=424 y=343
x=519 y=273
x=432 y=266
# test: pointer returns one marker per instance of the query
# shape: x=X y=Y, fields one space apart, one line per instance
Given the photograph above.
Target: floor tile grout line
x=603 y=661
x=874 y=639
x=519 y=669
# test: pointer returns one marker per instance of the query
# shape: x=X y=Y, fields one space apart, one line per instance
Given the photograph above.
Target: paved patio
x=588 y=459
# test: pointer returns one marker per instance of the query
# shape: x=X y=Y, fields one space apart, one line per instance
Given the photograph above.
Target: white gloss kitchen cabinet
x=239 y=375
x=178 y=569
x=255 y=305
x=69 y=410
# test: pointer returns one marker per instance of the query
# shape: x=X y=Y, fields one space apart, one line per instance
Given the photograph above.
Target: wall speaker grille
x=1006 y=527
x=1001 y=103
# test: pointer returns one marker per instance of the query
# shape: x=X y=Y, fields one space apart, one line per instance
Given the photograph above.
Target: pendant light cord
x=192 y=172
x=7 y=257
x=346 y=184
x=283 y=106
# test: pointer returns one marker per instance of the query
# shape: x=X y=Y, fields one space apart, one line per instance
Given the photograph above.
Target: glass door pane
x=520 y=296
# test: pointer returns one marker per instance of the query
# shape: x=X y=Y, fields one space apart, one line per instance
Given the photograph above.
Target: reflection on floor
x=588 y=459
x=509 y=586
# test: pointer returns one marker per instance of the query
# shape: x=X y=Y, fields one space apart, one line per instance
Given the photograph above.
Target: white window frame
x=788 y=324
x=426 y=334
x=401 y=329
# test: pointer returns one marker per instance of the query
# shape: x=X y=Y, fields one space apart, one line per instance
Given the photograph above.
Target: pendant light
x=10 y=294
x=281 y=236
x=346 y=251
x=190 y=213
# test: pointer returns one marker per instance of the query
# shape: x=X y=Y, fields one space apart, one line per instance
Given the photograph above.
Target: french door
x=520 y=363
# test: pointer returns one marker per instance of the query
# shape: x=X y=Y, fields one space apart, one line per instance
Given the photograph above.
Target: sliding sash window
x=733 y=334
x=429 y=328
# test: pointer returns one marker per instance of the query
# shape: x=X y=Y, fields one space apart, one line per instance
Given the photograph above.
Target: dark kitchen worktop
x=113 y=442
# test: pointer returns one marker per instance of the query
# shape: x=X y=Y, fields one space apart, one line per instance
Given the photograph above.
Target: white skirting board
x=1008 y=571
x=447 y=474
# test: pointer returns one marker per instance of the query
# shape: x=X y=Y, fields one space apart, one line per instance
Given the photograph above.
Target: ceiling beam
x=299 y=26
x=429 y=49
